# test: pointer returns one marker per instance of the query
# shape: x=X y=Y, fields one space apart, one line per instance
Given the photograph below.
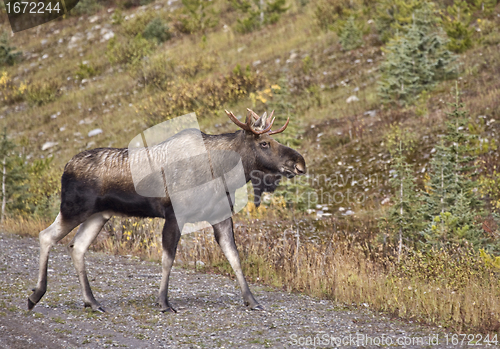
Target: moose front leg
x=224 y=235
x=170 y=238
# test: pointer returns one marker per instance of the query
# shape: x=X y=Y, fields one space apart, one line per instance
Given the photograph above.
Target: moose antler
x=248 y=122
x=283 y=128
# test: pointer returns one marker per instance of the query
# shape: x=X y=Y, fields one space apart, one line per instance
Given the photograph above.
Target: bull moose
x=97 y=184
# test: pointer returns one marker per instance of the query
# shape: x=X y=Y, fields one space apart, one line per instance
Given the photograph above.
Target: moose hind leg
x=224 y=235
x=170 y=239
x=48 y=238
x=87 y=232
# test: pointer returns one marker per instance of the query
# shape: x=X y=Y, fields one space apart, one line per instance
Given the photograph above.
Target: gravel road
x=210 y=314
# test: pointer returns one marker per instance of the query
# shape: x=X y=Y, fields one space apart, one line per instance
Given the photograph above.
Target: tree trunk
x=261 y=12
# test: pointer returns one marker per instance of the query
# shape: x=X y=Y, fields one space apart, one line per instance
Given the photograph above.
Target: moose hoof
x=169 y=310
x=258 y=307
x=31 y=305
x=95 y=307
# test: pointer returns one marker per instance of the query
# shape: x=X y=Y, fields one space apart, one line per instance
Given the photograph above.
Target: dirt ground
x=210 y=314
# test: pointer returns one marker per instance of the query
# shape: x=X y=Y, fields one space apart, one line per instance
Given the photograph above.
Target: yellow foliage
x=489 y=260
x=9 y=92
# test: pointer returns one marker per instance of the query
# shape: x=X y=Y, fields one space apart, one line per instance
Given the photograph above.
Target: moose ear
x=260 y=124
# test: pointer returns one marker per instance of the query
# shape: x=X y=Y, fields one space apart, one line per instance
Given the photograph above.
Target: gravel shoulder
x=210 y=314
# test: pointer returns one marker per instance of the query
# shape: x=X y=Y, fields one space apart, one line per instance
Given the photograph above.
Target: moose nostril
x=299 y=168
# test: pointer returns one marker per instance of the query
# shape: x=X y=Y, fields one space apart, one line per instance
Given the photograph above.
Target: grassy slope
x=319 y=88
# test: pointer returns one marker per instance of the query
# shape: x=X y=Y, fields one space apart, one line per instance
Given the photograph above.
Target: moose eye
x=264 y=144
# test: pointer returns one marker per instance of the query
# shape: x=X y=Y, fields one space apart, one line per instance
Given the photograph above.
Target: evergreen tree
x=13 y=177
x=457 y=27
x=404 y=218
x=201 y=16
x=415 y=61
x=395 y=16
x=8 y=55
x=452 y=201
x=351 y=36
x=258 y=13
x=283 y=110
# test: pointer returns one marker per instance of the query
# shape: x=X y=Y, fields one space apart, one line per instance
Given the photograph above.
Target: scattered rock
x=95 y=132
x=385 y=201
x=106 y=34
x=352 y=99
x=48 y=145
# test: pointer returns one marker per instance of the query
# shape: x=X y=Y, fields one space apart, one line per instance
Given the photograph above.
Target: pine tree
x=201 y=15
x=351 y=36
x=283 y=109
x=13 y=177
x=404 y=218
x=452 y=201
x=457 y=27
x=258 y=13
x=395 y=16
x=8 y=55
x=415 y=61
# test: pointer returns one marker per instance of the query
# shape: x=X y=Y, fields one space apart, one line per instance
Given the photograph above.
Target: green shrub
x=162 y=71
x=42 y=92
x=117 y=17
x=198 y=16
x=486 y=7
x=8 y=55
x=157 y=30
x=126 y=4
x=86 y=7
x=456 y=25
x=453 y=266
x=130 y=52
x=351 y=36
x=136 y=25
x=206 y=97
x=258 y=13
x=85 y=71
x=328 y=12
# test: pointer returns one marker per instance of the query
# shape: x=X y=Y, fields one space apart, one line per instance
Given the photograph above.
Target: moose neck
x=234 y=142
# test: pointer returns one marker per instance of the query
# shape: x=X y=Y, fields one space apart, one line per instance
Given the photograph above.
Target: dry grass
x=340 y=269
x=25 y=226
x=455 y=289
